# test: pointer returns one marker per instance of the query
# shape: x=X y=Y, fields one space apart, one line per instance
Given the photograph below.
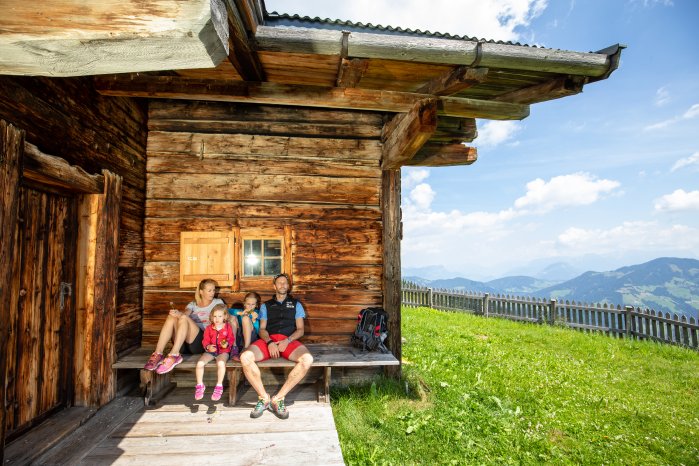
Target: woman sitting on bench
x=185 y=329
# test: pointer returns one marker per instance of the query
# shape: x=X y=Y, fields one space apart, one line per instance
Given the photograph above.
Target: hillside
x=667 y=284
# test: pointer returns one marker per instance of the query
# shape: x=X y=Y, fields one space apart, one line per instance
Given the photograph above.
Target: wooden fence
x=612 y=320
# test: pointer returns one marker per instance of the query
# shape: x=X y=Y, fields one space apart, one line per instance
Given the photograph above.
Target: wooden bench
x=155 y=385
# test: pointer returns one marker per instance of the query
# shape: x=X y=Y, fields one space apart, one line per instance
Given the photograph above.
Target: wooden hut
x=145 y=145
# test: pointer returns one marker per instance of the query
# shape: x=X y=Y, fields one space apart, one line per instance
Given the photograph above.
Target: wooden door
x=38 y=371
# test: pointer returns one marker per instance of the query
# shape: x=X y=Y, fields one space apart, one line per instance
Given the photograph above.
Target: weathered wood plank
x=55 y=171
x=11 y=147
x=406 y=133
x=460 y=78
x=300 y=212
x=172 y=87
x=351 y=72
x=262 y=188
x=222 y=145
x=104 y=37
x=242 y=165
x=241 y=55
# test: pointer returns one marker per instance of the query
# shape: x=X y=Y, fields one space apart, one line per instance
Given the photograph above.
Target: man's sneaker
x=279 y=408
x=169 y=364
x=153 y=361
x=199 y=391
x=218 y=391
x=259 y=408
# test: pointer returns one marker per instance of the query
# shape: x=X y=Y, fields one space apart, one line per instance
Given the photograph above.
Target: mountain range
x=665 y=284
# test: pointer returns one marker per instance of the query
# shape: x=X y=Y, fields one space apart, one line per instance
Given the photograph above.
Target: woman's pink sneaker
x=169 y=364
x=199 y=391
x=153 y=361
x=218 y=391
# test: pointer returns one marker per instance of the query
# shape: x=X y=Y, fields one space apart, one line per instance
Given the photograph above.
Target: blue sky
x=600 y=180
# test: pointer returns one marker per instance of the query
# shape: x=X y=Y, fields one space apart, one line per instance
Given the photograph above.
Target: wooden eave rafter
x=242 y=21
x=70 y=38
x=460 y=78
x=351 y=71
x=173 y=87
x=443 y=155
x=554 y=89
x=407 y=132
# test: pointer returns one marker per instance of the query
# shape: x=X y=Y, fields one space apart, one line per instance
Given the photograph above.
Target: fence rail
x=617 y=321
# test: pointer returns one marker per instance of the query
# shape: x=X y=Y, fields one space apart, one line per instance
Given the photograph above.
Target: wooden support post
x=430 y=299
x=97 y=277
x=234 y=379
x=552 y=312
x=486 y=304
x=11 y=146
x=629 y=324
x=155 y=386
x=392 y=234
x=324 y=386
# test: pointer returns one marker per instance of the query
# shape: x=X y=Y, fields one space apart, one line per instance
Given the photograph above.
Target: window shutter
x=206 y=254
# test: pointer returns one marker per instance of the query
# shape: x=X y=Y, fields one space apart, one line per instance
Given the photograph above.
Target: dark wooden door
x=39 y=347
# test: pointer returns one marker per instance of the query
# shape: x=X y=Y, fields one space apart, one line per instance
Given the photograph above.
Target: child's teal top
x=239 y=314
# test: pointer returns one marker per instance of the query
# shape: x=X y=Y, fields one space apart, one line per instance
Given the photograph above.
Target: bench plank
x=155 y=386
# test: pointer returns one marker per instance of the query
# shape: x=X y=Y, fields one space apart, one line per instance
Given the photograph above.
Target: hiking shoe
x=218 y=391
x=153 y=361
x=169 y=364
x=199 y=391
x=279 y=408
x=259 y=408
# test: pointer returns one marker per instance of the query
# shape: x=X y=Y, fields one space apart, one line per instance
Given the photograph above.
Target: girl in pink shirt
x=218 y=342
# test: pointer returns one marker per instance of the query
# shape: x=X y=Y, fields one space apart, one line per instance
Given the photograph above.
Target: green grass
x=489 y=391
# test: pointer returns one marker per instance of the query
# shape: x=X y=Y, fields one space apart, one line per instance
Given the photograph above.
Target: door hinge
x=66 y=289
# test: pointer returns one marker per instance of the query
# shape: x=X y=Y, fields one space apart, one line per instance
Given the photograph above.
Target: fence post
x=429 y=297
x=486 y=300
x=629 y=319
x=552 y=312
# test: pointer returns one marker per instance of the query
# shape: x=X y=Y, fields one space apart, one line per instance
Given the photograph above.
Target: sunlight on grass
x=490 y=391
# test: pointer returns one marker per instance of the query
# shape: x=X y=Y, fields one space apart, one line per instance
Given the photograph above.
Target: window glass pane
x=252 y=260
x=273 y=266
x=273 y=248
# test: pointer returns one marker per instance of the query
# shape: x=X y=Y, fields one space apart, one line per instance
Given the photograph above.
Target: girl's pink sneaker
x=218 y=391
x=199 y=391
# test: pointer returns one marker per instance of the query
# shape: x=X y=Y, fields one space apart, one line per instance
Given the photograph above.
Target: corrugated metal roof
x=285 y=19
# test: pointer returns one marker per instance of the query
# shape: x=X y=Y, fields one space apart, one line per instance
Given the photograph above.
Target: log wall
x=68 y=119
x=214 y=166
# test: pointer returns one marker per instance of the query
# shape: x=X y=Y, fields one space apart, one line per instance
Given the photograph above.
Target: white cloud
x=678 y=200
x=651 y=3
x=495 y=132
x=422 y=196
x=662 y=96
x=565 y=190
x=686 y=162
x=629 y=236
x=691 y=113
x=411 y=177
x=494 y=19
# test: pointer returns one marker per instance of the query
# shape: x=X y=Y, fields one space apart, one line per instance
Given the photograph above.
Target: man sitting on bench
x=281 y=325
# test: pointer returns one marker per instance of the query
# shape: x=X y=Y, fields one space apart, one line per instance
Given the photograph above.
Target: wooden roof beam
x=351 y=71
x=79 y=37
x=443 y=155
x=549 y=90
x=406 y=133
x=55 y=171
x=175 y=87
x=242 y=22
x=458 y=79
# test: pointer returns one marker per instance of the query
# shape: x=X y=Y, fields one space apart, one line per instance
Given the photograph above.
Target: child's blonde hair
x=218 y=307
x=253 y=295
x=202 y=285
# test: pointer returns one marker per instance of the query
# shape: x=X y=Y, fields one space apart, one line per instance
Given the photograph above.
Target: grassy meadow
x=489 y=391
